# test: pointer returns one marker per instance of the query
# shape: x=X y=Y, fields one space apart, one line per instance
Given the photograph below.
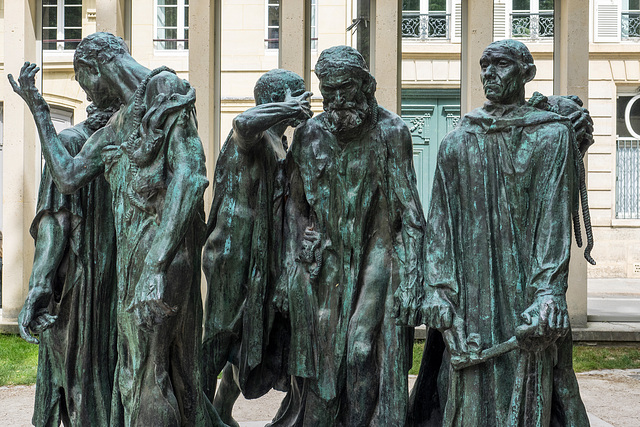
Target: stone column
x=110 y=17
x=477 y=34
x=571 y=77
x=19 y=159
x=295 y=38
x=204 y=76
x=386 y=51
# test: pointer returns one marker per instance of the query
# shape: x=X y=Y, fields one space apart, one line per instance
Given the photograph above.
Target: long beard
x=346 y=117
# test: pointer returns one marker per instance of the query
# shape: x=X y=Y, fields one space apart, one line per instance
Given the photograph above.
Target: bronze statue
x=242 y=255
x=353 y=246
x=153 y=160
x=498 y=241
x=72 y=290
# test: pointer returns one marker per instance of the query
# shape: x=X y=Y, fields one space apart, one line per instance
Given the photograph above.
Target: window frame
x=267 y=27
x=182 y=30
x=60 y=27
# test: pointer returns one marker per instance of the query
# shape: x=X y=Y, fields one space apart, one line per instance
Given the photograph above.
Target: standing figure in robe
x=72 y=292
x=497 y=251
x=153 y=160
x=243 y=251
x=353 y=249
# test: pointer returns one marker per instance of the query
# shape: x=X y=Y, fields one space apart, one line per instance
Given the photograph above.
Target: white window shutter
x=456 y=21
x=499 y=20
x=606 y=21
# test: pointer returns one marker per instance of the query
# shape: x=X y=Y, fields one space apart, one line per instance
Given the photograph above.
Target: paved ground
x=613 y=300
x=611 y=398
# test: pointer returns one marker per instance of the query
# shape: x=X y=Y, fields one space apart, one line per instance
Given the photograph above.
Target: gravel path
x=612 y=398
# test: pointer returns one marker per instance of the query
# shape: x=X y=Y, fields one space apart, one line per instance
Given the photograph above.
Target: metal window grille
x=423 y=26
x=532 y=25
x=628 y=178
x=630 y=24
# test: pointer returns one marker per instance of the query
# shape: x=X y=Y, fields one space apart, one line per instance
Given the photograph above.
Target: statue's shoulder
x=166 y=82
x=390 y=120
x=312 y=129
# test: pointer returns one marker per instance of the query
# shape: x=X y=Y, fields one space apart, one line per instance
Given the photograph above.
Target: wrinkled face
x=345 y=103
x=97 y=90
x=502 y=78
x=340 y=90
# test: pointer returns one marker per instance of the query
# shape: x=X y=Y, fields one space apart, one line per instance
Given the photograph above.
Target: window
x=630 y=24
x=425 y=19
x=61 y=24
x=272 y=36
x=628 y=157
x=532 y=19
x=172 y=25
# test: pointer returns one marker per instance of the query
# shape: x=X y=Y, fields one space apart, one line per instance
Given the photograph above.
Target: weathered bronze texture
x=72 y=290
x=498 y=241
x=353 y=247
x=153 y=160
x=243 y=252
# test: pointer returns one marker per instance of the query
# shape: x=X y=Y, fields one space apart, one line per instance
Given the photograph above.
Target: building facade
x=422 y=53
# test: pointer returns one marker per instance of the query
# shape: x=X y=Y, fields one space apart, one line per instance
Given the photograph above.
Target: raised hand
x=26 y=86
x=301 y=102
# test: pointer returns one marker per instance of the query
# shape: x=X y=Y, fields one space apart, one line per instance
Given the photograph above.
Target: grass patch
x=18 y=361
x=591 y=358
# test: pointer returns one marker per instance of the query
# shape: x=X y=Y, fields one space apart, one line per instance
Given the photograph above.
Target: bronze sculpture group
x=318 y=258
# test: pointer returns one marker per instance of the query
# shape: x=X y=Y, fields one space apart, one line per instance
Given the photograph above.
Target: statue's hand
x=545 y=320
x=148 y=306
x=583 y=128
x=34 y=315
x=407 y=306
x=437 y=312
x=281 y=300
x=301 y=103
x=26 y=86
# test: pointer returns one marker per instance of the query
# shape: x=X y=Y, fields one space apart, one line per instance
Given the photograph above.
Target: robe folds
x=77 y=354
x=242 y=261
x=498 y=237
x=361 y=197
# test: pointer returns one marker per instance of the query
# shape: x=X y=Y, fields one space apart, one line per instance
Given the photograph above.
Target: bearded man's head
x=347 y=87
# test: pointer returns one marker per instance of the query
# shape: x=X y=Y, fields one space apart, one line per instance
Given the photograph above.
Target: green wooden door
x=430 y=115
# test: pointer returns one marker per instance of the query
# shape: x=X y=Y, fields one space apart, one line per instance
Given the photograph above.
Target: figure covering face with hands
x=497 y=258
x=353 y=241
x=153 y=160
x=242 y=254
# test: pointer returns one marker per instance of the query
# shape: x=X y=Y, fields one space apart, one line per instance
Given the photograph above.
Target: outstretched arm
x=69 y=173
x=250 y=125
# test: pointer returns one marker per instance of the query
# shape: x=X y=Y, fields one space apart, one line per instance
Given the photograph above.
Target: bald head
x=506 y=66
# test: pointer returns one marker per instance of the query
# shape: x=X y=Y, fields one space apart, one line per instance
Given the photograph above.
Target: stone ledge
x=614 y=332
x=8 y=327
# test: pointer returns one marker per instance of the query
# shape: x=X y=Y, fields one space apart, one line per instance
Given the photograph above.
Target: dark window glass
x=49 y=34
x=72 y=34
x=521 y=4
x=49 y=17
x=73 y=16
x=437 y=6
x=546 y=5
x=274 y=17
x=412 y=5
